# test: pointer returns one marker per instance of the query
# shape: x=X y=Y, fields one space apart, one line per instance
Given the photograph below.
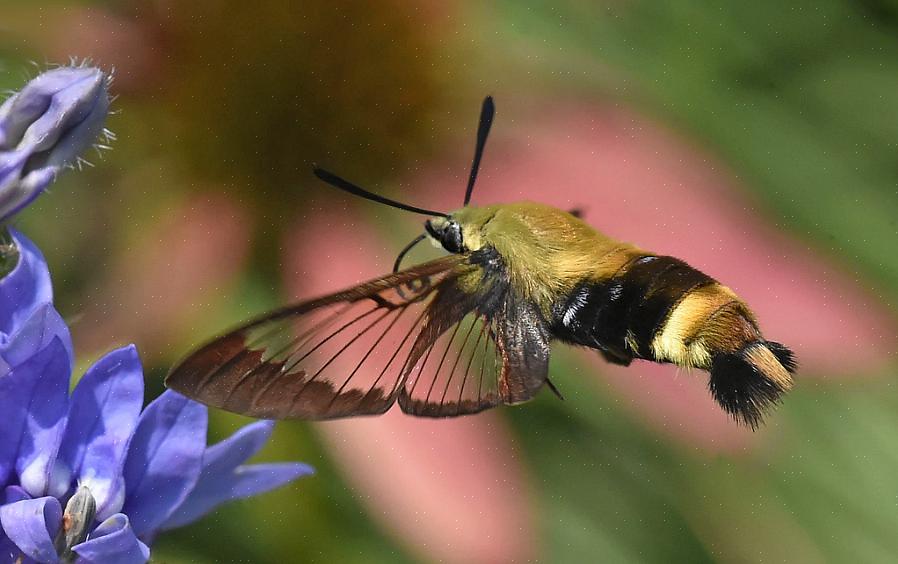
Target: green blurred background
x=233 y=101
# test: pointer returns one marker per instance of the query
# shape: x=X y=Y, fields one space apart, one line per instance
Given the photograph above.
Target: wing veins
x=308 y=335
x=328 y=338
x=442 y=360
x=461 y=352
x=464 y=381
x=401 y=379
x=349 y=344
x=305 y=384
x=234 y=359
x=265 y=387
x=483 y=360
x=367 y=354
x=247 y=349
x=420 y=369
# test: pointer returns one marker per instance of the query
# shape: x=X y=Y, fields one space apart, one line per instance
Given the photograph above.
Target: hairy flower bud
x=44 y=127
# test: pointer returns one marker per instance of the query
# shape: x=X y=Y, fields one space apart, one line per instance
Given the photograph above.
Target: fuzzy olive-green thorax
x=546 y=251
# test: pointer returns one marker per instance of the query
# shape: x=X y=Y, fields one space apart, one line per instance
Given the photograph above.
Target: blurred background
x=758 y=141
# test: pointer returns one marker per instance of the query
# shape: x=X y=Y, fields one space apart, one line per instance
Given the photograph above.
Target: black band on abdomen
x=636 y=300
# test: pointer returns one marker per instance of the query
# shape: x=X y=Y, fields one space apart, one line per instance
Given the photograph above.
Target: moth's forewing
x=335 y=356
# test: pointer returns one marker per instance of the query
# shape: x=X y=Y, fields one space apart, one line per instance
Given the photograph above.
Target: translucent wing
x=335 y=356
x=455 y=364
x=475 y=351
x=447 y=338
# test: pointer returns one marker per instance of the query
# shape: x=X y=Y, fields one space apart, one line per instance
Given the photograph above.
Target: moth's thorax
x=546 y=251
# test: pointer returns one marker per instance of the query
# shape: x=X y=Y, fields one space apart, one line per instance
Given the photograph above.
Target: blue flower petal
x=103 y=414
x=12 y=167
x=44 y=421
x=34 y=334
x=241 y=482
x=33 y=404
x=31 y=524
x=13 y=494
x=8 y=550
x=221 y=479
x=20 y=187
x=113 y=541
x=24 y=289
x=226 y=455
x=164 y=460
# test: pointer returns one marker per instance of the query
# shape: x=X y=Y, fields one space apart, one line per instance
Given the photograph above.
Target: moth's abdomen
x=622 y=314
x=659 y=308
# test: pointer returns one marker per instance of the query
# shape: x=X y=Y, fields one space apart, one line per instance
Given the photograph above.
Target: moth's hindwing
x=480 y=347
x=426 y=335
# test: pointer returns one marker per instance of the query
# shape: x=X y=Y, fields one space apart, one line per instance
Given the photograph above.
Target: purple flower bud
x=46 y=126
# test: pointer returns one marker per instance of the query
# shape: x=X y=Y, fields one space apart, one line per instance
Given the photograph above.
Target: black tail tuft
x=747 y=383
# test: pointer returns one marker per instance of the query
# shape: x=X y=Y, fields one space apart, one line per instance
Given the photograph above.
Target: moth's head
x=447 y=232
x=462 y=230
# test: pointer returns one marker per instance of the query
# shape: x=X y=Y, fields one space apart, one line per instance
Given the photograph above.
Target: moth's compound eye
x=452 y=239
x=447 y=232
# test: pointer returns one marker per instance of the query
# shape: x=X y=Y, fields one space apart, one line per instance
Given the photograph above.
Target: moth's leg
x=554 y=389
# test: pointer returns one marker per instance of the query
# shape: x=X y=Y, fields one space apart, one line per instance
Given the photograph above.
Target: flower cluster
x=87 y=475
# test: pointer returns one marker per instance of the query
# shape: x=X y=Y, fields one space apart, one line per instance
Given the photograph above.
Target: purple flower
x=88 y=476
x=46 y=126
x=28 y=321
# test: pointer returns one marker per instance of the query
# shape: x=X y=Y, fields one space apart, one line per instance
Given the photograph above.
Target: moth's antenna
x=405 y=251
x=487 y=111
x=347 y=186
